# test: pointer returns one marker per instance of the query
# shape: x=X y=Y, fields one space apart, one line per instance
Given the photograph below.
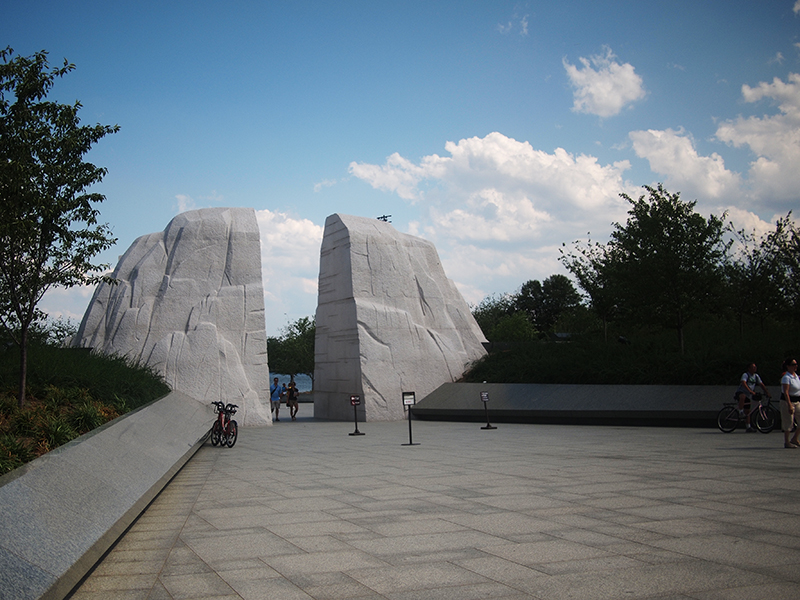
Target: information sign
x=355 y=400
x=409 y=399
x=484 y=396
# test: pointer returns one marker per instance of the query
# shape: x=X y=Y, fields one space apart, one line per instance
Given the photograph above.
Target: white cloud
x=748 y=221
x=516 y=22
x=797 y=7
x=497 y=209
x=774 y=139
x=323 y=184
x=603 y=87
x=672 y=154
x=184 y=203
x=290 y=267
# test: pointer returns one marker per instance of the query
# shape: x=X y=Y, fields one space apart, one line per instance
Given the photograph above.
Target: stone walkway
x=303 y=510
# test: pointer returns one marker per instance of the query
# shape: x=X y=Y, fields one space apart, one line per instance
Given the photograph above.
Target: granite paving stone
x=541 y=512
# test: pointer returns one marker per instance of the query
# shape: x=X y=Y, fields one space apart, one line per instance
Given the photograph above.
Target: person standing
x=292 y=398
x=275 y=398
x=790 y=403
x=744 y=393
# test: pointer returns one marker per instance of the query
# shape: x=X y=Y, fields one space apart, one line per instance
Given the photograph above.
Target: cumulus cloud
x=290 y=266
x=497 y=208
x=774 y=139
x=797 y=7
x=603 y=87
x=673 y=154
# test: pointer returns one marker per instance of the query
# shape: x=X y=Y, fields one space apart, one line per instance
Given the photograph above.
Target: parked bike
x=225 y=430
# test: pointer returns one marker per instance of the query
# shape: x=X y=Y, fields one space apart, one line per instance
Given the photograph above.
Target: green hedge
x=70 y=392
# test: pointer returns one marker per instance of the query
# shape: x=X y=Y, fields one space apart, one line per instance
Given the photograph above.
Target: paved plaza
x=303 y=510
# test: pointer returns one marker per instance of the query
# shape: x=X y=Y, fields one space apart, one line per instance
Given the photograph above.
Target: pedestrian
x=790 y=403
x=292 y=400
x=275 y=398
x=744 y=393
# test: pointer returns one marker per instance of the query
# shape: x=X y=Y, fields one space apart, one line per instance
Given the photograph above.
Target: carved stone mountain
x=388 y=321
x=190 y=304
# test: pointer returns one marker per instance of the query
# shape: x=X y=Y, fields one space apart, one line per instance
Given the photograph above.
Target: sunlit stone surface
x=388 y=321
x=190 y=304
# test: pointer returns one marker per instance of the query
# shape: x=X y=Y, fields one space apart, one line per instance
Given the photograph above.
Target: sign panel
x=409 y=399
x=355 y=400
x=484 y=396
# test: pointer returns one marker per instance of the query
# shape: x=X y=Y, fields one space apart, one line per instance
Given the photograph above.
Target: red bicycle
x=225 y=430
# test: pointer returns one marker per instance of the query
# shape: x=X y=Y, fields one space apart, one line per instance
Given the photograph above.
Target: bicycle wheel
x=233 y=433
x=766 y=419
x=216 y=434
x=728 y=419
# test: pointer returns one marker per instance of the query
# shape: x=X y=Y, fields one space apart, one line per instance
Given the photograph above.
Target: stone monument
x=388 y=321
x=190 y=304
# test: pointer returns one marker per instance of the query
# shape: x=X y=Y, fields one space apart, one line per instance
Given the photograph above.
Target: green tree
x=667 y=260
x=591 y=267
x=491 y=313
x=293 y=352
x=545 y=303
x=49 y=234
x=785 y=242
x=756 y=277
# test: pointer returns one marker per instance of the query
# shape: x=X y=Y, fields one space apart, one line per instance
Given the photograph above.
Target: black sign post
x=409 y=400
x=485 y=400
x=355 y=401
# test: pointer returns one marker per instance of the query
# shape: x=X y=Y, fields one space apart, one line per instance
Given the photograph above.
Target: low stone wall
x=651 y=405
x=60 y=513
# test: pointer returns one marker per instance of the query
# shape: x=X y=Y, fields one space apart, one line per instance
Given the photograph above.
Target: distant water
x=303 y=381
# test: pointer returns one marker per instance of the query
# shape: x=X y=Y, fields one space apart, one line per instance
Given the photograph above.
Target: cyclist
x=744 y=393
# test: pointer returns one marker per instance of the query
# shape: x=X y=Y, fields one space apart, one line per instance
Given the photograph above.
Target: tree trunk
x=23 y=365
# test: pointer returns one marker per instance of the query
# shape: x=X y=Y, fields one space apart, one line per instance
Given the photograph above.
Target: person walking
x=292 y=398
x=275 y=398
x=790 y=403
x=744 y=393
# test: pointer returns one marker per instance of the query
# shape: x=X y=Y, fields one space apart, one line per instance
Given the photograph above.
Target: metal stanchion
x=355 y=401
x=485 y=400
x=409 y=400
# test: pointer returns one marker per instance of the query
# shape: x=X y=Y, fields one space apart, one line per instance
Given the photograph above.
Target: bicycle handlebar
x=221 y=407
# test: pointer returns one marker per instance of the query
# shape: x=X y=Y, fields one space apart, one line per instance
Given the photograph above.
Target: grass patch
x=70 y=392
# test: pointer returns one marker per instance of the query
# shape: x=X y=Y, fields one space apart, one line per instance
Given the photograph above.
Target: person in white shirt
x=790 y=403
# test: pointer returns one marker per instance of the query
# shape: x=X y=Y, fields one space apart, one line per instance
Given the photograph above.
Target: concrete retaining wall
x=659 y=405
x=61 y=512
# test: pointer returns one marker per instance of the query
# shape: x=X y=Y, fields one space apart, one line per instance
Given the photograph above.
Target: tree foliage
x=662 y=268
x=533 y=311
x=293 y=352
x=591 y=267
x=545 y=303
x=785 y=243
x=49 y=230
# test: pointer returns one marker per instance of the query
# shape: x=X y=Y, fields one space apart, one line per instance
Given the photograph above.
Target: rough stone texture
x=388 y=321
x=190 y=303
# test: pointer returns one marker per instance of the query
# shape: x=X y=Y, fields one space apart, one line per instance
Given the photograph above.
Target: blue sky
x=498 y=130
